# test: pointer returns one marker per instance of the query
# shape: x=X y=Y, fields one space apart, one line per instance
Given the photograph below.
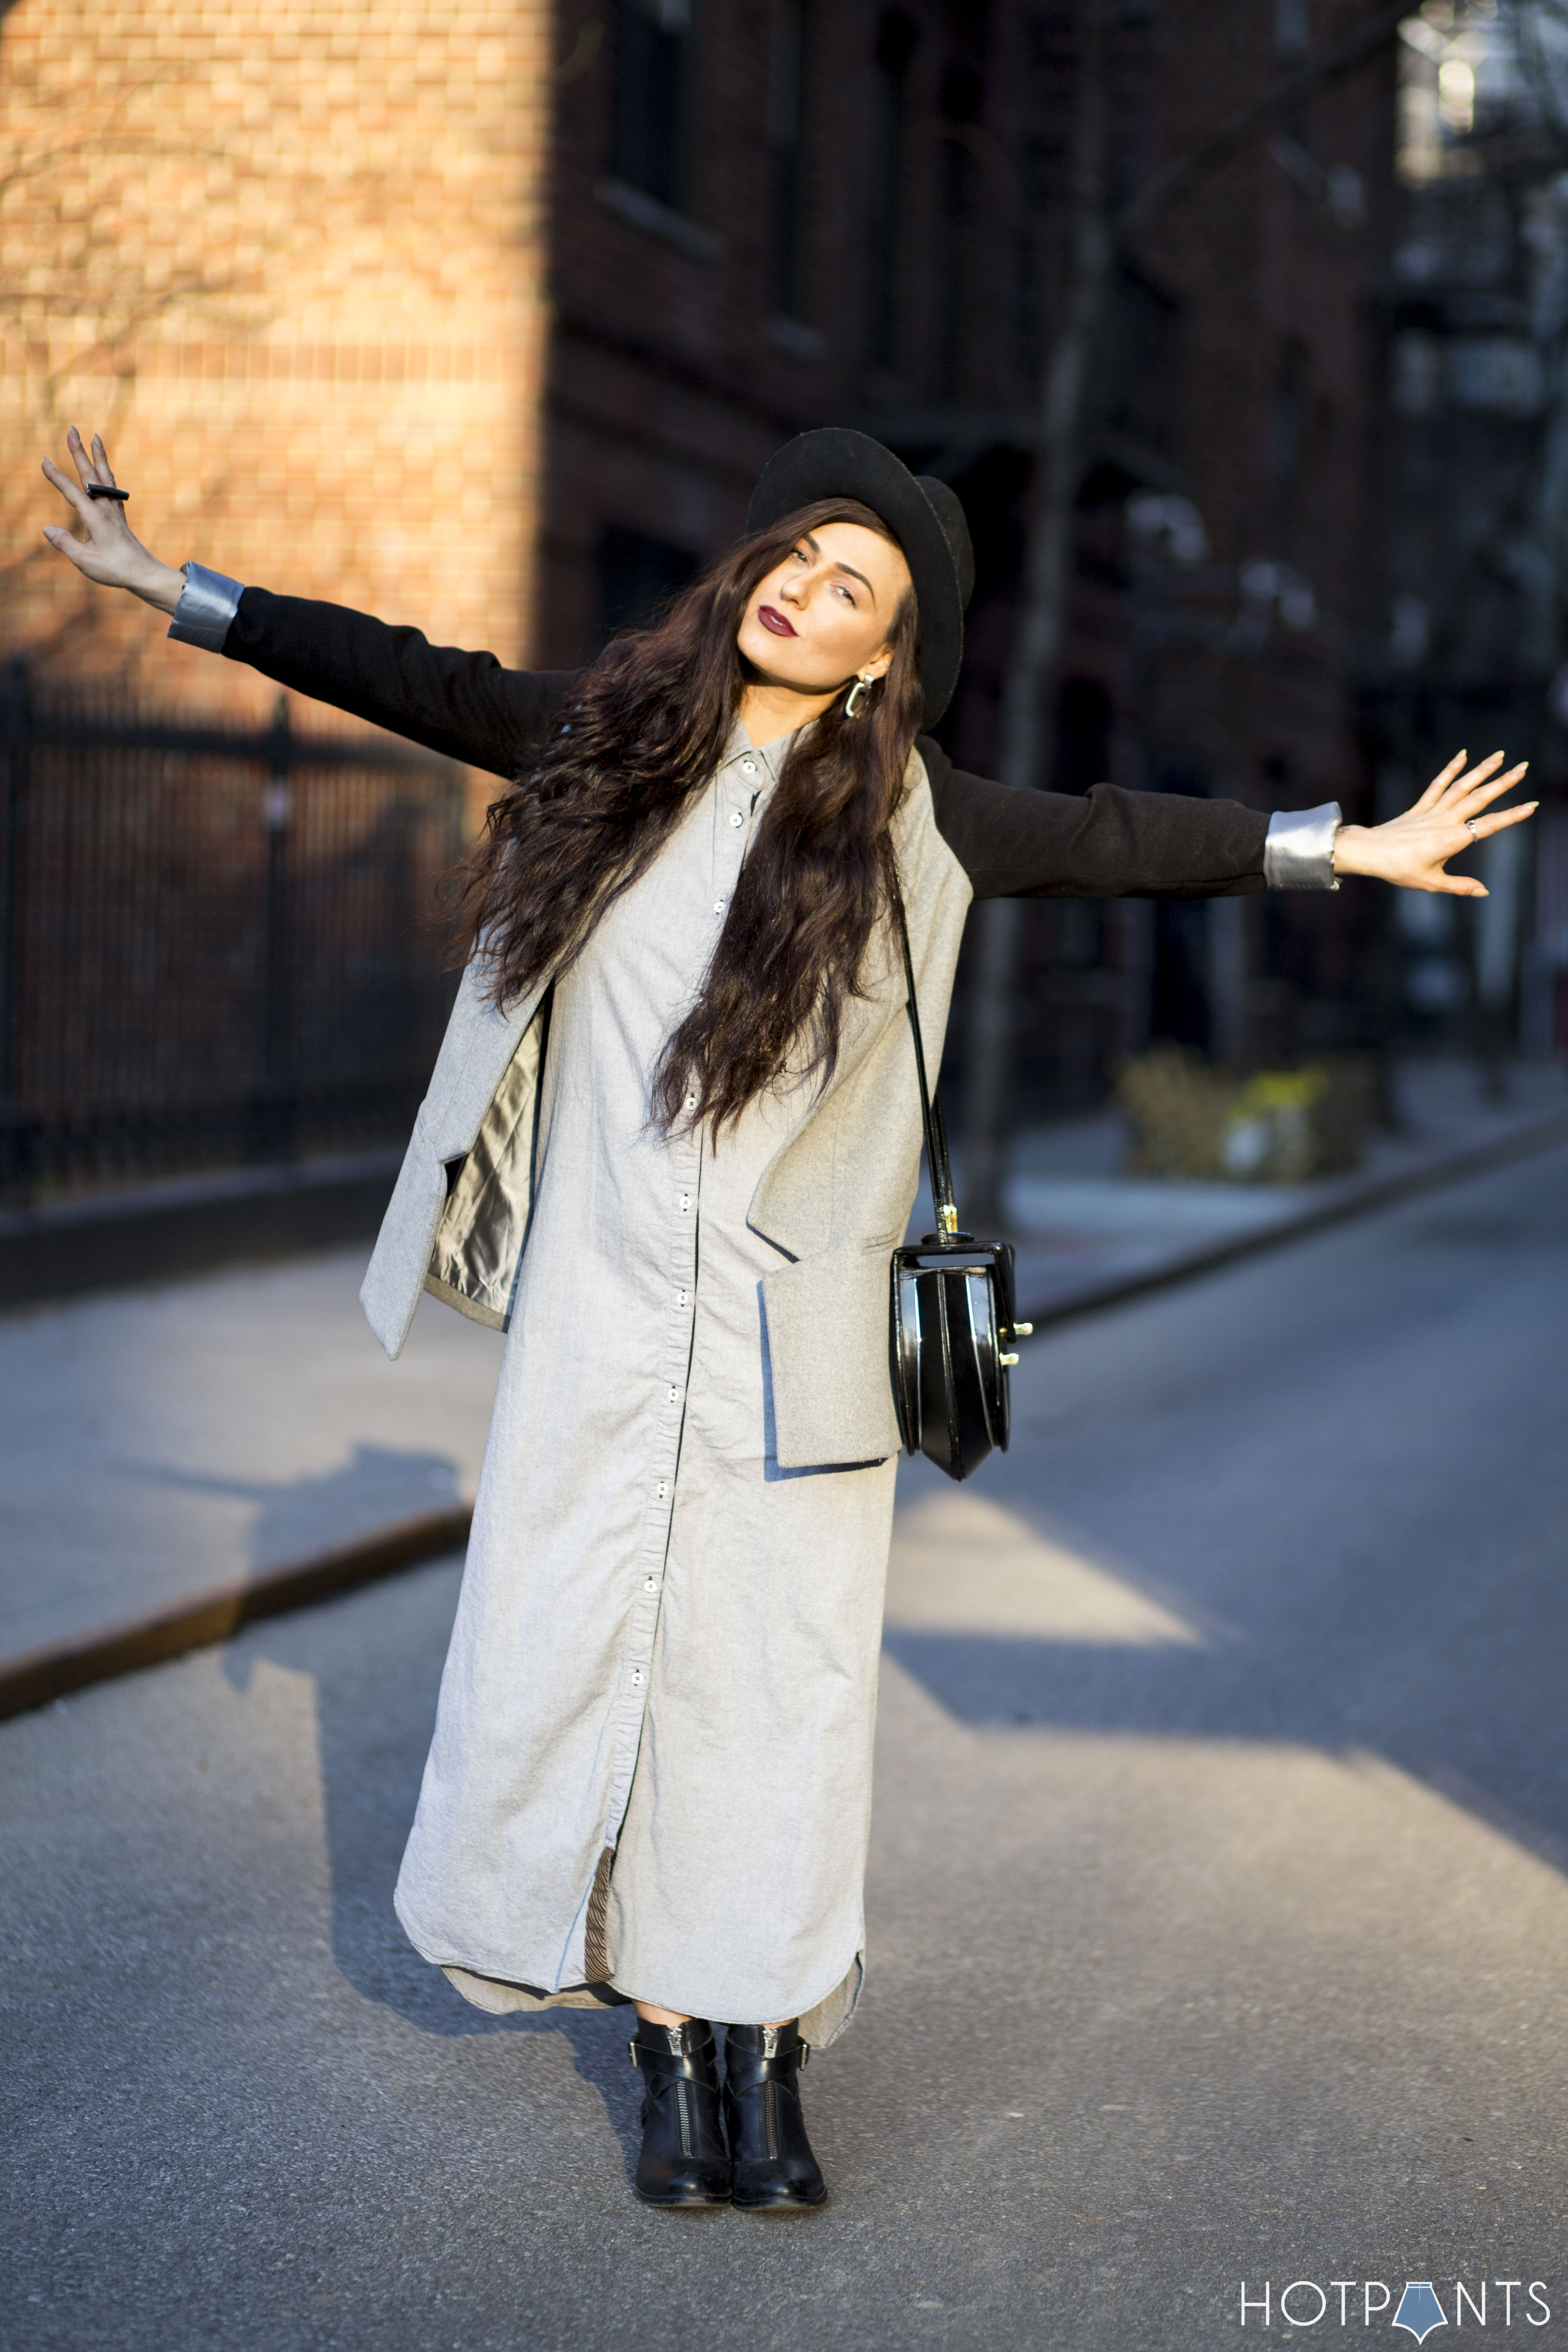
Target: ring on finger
x=1469 y=824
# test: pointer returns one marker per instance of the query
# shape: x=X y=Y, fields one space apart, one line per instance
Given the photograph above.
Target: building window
x=1084 y=718
x=786 y=141
x=962 y=96
x=637 y=574
x=1283 y=448
x=652 y=143
x=1139 y=362
x=1293 y=27
x=896 y=40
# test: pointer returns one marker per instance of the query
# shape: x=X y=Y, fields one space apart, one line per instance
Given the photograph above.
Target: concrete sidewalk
x=157 y=1443
x=1084 y=1229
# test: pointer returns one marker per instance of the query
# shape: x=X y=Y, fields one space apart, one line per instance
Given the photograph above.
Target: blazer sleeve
x=1105 y=843
x=465 y=706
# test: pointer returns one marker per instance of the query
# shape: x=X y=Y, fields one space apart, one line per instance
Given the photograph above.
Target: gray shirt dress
x=666 y=1645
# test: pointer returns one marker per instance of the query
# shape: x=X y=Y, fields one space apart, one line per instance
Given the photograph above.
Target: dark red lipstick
x=772 y=618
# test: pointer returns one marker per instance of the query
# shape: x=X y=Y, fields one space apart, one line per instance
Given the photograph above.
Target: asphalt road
x=1218 y=1909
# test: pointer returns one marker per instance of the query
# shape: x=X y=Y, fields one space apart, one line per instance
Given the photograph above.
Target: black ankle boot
x=683 y=2160
x=771 y=2162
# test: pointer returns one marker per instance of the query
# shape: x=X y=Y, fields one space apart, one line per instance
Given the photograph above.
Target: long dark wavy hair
x=646 y=727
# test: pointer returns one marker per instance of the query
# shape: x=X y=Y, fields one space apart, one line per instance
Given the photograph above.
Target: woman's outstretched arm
x=466 y=705
x=1111 y=843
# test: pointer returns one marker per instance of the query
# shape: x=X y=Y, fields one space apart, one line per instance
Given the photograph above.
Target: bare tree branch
x=1184 y=172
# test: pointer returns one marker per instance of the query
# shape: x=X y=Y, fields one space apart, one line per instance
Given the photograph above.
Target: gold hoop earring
x=852 y=703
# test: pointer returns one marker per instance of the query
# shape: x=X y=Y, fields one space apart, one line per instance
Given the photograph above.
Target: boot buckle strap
x=770 y=2055
x=665 y=2069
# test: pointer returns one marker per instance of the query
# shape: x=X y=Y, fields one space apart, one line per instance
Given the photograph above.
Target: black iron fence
x=217 y=946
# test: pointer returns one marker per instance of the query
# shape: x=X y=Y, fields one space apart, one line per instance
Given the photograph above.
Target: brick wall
x=669 y=382
x=679 y=360
x=290 y=261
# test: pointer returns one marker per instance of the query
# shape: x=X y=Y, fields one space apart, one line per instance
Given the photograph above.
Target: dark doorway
x=637 y=574
x=1083 y=736
x=651 y=141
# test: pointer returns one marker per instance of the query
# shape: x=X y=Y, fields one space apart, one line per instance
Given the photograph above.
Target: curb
x=40 y=1676
x=189 y=1224
x=1356 y=1200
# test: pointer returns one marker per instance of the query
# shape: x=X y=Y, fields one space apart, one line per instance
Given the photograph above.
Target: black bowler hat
x=923 y=515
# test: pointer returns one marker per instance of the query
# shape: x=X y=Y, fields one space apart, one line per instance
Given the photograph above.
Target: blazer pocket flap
x=827 y=1351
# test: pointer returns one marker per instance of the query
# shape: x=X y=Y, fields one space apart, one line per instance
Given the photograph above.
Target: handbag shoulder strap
x=930 y=1109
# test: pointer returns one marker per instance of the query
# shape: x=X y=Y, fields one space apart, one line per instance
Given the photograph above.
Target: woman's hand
x=110 y=553
x=1412 y=849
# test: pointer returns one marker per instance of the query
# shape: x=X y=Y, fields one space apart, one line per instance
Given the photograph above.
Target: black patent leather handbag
x=954 y=1320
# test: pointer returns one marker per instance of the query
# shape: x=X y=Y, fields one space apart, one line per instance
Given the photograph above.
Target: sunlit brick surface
x=288 y=262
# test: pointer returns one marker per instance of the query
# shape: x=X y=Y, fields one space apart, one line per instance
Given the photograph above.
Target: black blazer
x=1012 y=843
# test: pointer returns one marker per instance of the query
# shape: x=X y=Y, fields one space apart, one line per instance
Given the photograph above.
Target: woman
x=679 y=1067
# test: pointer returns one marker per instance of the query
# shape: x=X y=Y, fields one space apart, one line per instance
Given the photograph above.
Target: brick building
x=489 y=318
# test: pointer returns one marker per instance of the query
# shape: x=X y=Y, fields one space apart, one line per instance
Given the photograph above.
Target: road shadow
x=374 y=1724
x=1434 y=1641
x=1333 y=1518
x=374 y=1487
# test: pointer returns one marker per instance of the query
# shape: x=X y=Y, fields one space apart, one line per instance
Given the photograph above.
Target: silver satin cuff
x=204 y=613
x=1299 y=853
